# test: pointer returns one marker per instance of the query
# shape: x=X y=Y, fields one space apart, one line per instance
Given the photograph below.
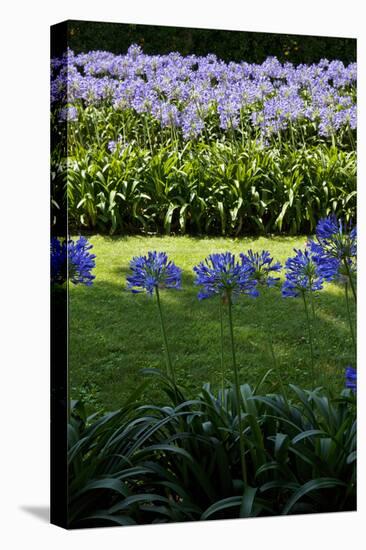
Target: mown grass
x=114 y=333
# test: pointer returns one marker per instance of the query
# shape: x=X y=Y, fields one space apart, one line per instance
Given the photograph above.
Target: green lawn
x=114 y=333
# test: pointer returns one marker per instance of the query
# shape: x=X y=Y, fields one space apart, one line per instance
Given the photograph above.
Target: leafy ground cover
x=180 y=462
x=114 y=333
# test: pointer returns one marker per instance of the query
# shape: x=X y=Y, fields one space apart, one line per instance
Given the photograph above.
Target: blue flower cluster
x=72 y=260
x=221 y=274
x=120 y=144
x=351 y=378
x=335 y=249
x=302 y=275
x=189 y=92
x=153 y=271
x=68 y=114
x=58 y=261
x=261 y=262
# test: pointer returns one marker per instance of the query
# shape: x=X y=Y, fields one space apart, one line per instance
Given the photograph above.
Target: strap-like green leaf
x=223 y=504
x=312 y=485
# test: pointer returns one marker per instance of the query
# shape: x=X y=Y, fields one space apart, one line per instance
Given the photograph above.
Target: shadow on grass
x=114 y=334
x=283 y=238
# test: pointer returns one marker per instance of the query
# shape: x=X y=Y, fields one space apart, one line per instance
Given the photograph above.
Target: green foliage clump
x=179 y=460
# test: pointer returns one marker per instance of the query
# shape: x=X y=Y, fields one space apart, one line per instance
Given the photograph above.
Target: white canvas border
x=24 y=270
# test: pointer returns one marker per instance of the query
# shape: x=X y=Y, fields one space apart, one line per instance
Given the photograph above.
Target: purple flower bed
x=189 y=92
x=167 y=143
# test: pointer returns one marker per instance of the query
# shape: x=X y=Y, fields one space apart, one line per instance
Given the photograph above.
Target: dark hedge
x=252 y=47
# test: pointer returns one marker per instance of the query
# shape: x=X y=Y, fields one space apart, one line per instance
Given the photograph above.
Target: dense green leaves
x=147 y=193
x=157 y=183
x=179 y=461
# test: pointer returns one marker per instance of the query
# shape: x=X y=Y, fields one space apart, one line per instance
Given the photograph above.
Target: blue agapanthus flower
x=112 y=146
x=263 y=267
x=335 y=246
x=302 y=275
x=58 y=261
x=220 y=274
x=351 y=378
x=328 y=266
x=72 y=260
x=119 y=144
x=153 y=271
x=68 y=114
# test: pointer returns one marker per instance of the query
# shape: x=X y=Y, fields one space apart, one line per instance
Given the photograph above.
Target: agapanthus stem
x=351 y=323
x=314 y=327
x=222 y=344
x=333 y=140
x=312 y=305
x=310 y=337
x=292 y=134
x=350 y=280
x=352 y=141
x=170 y=370
x=275 y=363
x=238 y=397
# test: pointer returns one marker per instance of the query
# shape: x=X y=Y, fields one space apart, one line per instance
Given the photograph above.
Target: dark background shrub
x=253 y=47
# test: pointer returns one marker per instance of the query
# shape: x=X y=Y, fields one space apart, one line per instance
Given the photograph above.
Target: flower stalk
x=169 y=365
x=310 y=336
x=238 y=396
x=349 y=275
x=222 y=345
x=350 y=322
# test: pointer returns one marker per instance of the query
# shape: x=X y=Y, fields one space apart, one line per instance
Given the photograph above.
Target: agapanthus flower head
x=221 y=274
x=112 y=146
x=134 y=51
x=69 y=114
x=337 y=239
x=351 y=378
x=72 y=260
x=327 y=227
x=153 y=271
x=328 y=266
x=335 y=246
x=302 y=274
x=81 y=262
x=263 y=266
x=119 y=144
x=58 y=261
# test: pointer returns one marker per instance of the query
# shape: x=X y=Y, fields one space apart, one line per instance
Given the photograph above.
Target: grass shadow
x=114 y=334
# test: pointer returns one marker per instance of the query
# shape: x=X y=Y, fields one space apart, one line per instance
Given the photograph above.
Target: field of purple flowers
x=184 y=92
x=166 y=143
